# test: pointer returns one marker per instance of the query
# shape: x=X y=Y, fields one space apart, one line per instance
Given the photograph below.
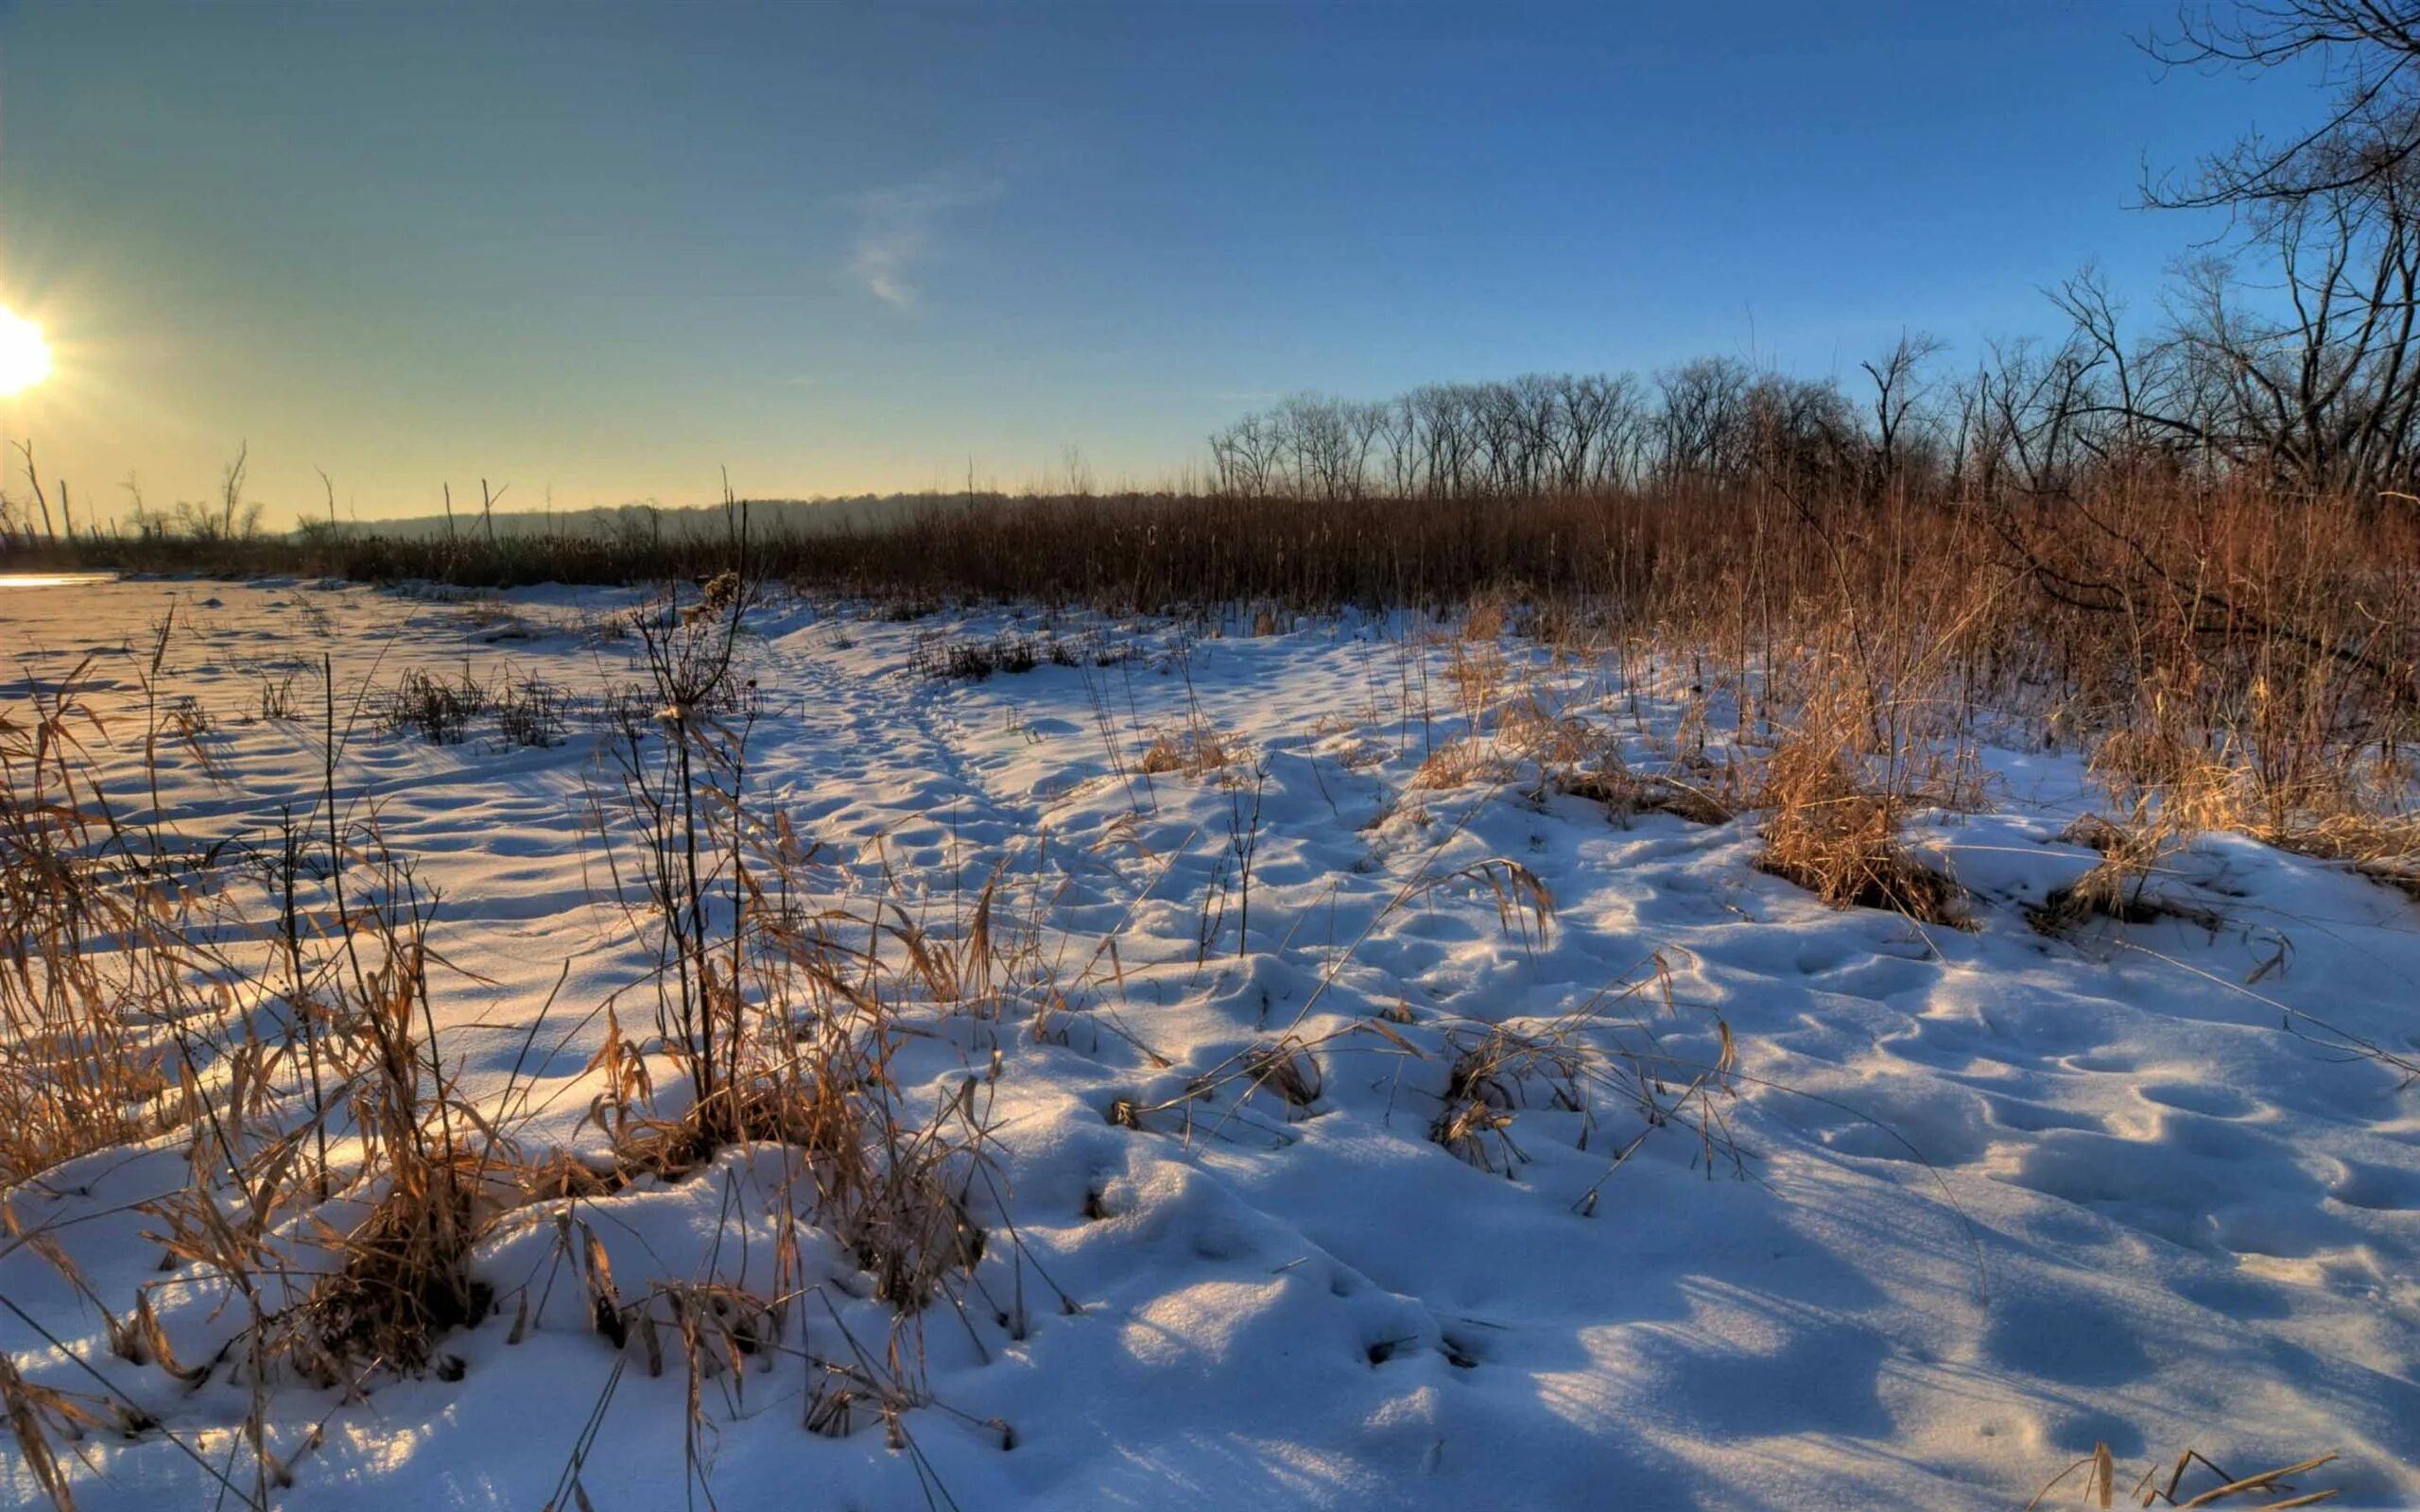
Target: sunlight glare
x=24 y=357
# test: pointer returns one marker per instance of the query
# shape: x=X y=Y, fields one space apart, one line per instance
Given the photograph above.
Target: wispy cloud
x=896 y=227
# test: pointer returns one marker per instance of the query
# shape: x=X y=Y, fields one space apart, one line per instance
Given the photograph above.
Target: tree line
x=2293 y=362
x=2286 y=354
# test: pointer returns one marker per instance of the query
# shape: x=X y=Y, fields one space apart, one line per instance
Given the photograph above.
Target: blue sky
x=606 y=249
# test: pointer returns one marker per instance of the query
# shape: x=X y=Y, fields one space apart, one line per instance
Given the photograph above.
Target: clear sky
x=605 y=250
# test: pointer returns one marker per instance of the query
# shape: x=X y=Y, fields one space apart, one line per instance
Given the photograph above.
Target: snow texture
x=1987 y=1198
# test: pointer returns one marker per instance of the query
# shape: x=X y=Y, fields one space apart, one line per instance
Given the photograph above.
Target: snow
x=1983 y=1199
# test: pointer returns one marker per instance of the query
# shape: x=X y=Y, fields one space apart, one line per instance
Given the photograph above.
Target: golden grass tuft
x=2118 y=885
x=1197 y=749
x=1833 y=828
x=1460 y=763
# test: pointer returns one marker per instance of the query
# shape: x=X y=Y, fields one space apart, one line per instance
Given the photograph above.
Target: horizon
x=843 y=252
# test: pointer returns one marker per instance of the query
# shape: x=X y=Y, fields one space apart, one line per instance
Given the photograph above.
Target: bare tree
x=1241 y=459
x=1898 y=388
x=1703 y=428
x=230 y=490
x=2367 y=53
x=1450 y=441
x=2324 y=394
x=33 y=479
x=2025 y=419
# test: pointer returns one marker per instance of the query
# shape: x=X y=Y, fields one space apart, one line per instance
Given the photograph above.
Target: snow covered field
x=1971 y=1202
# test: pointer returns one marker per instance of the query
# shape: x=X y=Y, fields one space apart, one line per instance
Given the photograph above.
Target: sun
x=25 y=356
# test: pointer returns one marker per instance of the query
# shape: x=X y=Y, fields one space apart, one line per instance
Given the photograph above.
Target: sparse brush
x=1360 y=755
x=781 y=1019
x=940 y=658
x=1086 y=648
x=783 y=1031
x=403 y=1279
x=2184 y=613
x=722 y=594
x=194 y=728
x=2382 y=845
x=2297 y=798
x=1524 y=905
x=1832 y=681
x=274 y=697
x=1610 y=782
x=1531 y=731
x=1479 y=671
x=1488 y=614
x=532 y=712
x=438 y=710
x=1844 y=846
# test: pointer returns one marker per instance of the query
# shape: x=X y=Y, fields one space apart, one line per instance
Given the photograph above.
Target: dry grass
x=1624 y=792
x=125 y=1023
x=1528 y=729
x=1842 y=845
x=2198 y=631
x=436 y=710
x=133 y=1012
x=1460 y=763
x=2177 y=1486
x=80 y=1067
x=1288 y=1070
x=1194 y=750
x=1491 y=1077
x=1599 y=1058
x=1838 y=654
x=1831 y=823
x=2119 y=886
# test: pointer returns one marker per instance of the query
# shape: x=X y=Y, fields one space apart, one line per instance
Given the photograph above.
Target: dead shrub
x=1528 y=730
x=1487 y=615
x=2118 y=885
x=720 y=594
